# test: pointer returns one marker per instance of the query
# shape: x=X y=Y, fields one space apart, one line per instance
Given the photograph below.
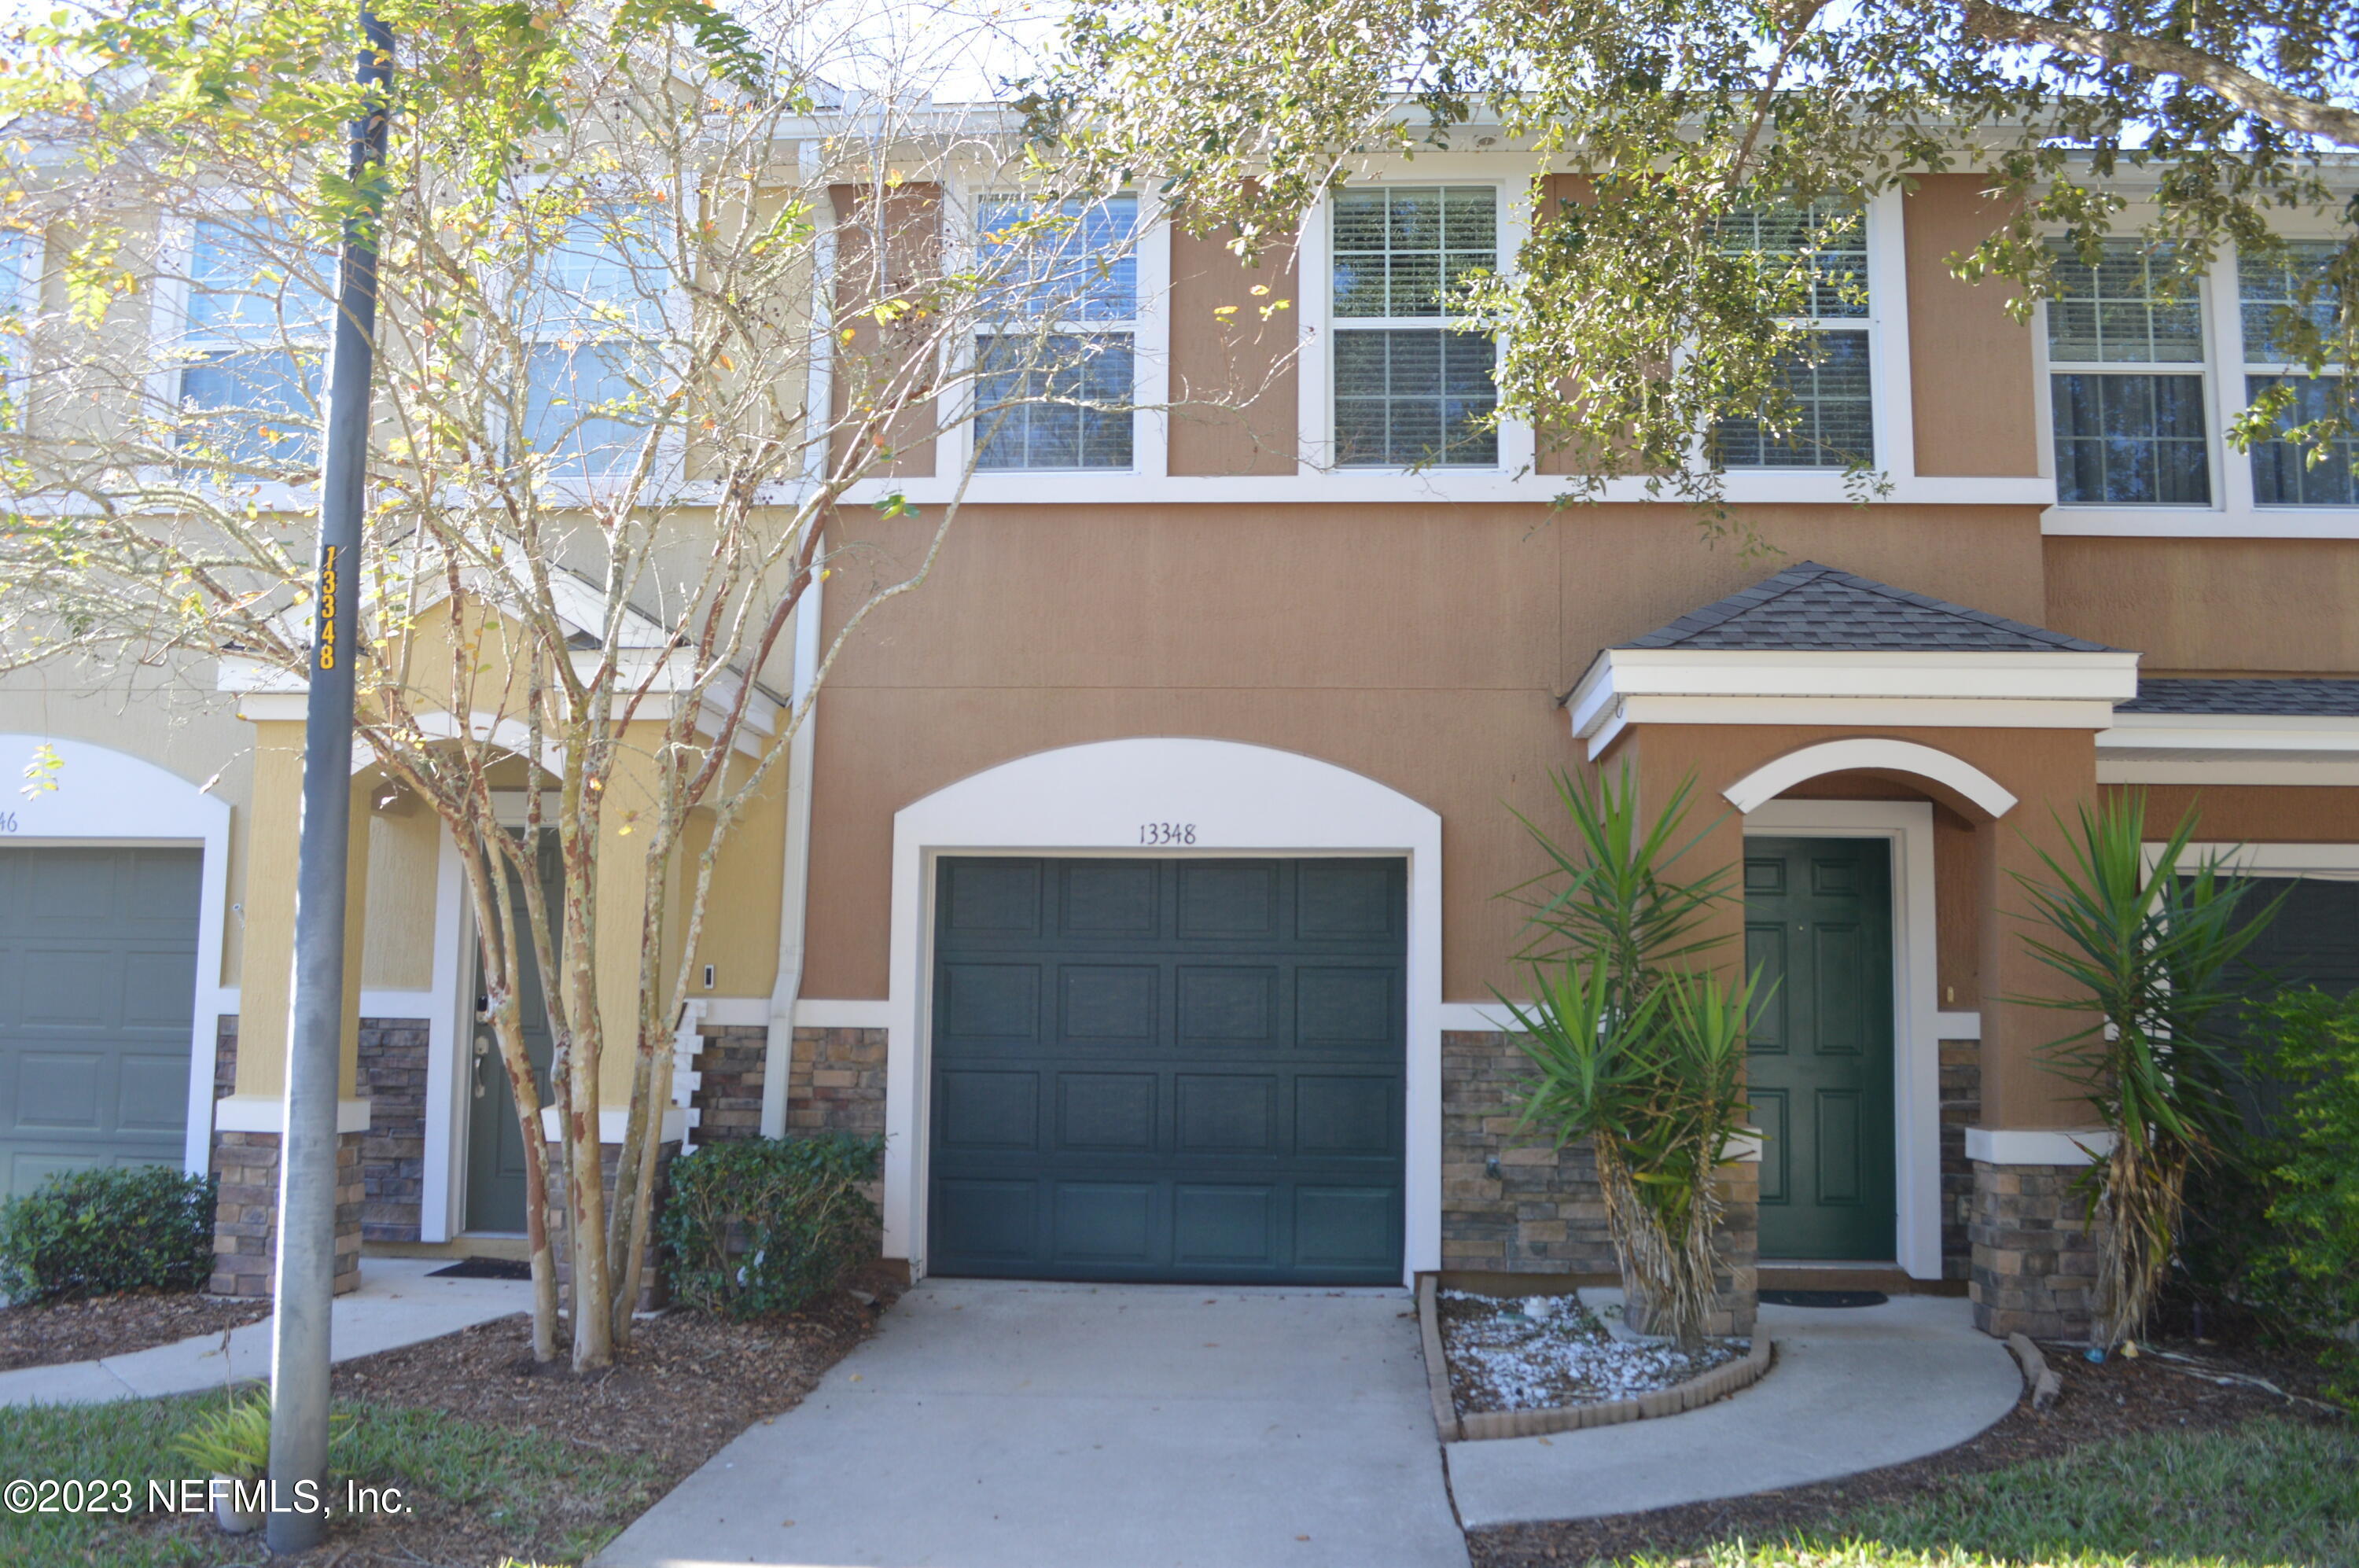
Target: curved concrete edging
x=1851 y=1389
x=1485 y=1425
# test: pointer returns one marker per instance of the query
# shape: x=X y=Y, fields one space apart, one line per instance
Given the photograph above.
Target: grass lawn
x=478 y=1492
x=2268 y=1494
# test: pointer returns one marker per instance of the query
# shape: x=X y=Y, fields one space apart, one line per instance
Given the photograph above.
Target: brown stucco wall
x=2211 y=606
x=2256 y=813
x=1233 y=397
x=1970 y=363
x=1425 y=647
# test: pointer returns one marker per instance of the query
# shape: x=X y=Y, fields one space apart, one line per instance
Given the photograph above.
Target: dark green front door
x=1818 y=926
x=494 y=1139
x=1180 y=1069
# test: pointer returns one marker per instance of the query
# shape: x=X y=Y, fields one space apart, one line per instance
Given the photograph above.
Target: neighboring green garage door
x=98 y=972
x=1182 y=1069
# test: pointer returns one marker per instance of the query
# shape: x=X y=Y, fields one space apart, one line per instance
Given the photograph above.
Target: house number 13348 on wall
x=1166 y=832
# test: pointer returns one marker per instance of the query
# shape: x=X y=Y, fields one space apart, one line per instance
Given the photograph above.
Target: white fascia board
x=2109 y=677
x=236 y=672
x=1968 y=713
x=275 y=707
x=2159 y=734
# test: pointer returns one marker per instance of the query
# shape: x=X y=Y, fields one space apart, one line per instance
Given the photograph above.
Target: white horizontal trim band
x=266 y=1113
x=2037 y=1146
x=814 y=1012
x=2288 y=771
x=1958 y=1025
x=613 y=1124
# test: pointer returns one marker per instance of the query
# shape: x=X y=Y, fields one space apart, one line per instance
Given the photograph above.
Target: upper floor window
x=255 y=340
x=1056 y=364
x=1410 y=390
x=1827 y=378
x=2128 y=431
x=593 y=328
x=2269 y=290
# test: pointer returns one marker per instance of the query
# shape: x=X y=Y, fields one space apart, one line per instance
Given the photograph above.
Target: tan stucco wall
x=2211 y=606
x=1424 y=646
x=1234 y=395
x=1970 y=376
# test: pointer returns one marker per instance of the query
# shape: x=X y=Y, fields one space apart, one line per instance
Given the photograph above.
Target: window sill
x=2201 y=522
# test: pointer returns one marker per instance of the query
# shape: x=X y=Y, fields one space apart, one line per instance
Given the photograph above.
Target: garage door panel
x=63 y=890
x=1227 y=1112
x=1106 y=1111
x=983 y=1003
x=1225 y=1224
x=1191 y=1070
x=60 y=1091
x=1228 y=1006
x=1347 y=1009
x=1110 y=899
x=1228 y=901
x=1106 y=1221
x=989 y=1110
x=991 y=898
x=65 y=987
x=991 y=1222
x=1346 y=1227
x=152 y=1093
x=1345 y=1116
x=155 y=994
x=1114 y=1003
x=162 y=885
x=1346 y=900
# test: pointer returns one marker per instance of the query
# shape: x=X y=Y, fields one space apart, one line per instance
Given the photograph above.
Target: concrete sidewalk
x=396 y=1305
x=1851 y=1389
x=993 y=1425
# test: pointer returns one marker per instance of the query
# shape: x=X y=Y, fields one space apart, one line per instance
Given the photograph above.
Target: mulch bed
x=2121 y=1397
x=686 y=1386
x=47 y=1336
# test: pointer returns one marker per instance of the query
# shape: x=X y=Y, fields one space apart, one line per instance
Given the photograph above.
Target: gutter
x=794 y=878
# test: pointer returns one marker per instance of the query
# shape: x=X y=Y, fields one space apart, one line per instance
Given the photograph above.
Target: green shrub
x=2306 y=1266
x=92 y=1233
x=759 y=1227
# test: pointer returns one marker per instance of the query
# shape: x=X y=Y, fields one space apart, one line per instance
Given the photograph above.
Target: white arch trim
x=1772 y=779
x=1096 y=799
x=108 y=797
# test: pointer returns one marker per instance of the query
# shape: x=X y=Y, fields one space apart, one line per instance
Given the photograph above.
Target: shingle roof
x=1815 y=606
x=2322 y=696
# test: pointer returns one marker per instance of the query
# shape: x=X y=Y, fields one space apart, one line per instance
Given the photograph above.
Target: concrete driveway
x=993 y=1425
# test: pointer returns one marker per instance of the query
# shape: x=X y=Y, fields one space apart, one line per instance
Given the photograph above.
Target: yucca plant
x=1660 y=1093
x=2146 y=942
x=1632 y=1046
x=233 y=1441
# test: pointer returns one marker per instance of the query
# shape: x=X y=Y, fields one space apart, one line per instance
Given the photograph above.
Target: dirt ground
x=115 y=1325
x=2118 y=1399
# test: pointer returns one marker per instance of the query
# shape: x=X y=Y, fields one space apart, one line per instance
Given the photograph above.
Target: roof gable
x=1814 y=606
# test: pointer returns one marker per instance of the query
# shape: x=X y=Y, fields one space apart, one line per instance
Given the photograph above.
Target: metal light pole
x=305 y=1281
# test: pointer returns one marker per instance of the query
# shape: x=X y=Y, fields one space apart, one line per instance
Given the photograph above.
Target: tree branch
x=2163 y=57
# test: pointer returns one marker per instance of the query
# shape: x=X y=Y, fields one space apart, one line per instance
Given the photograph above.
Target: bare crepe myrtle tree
x=661 y=307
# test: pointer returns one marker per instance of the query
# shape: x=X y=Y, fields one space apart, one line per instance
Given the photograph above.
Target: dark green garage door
x=98 y=975
x=1183 y=1070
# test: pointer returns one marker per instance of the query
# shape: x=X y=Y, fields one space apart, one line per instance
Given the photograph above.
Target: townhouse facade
x=1140 y=878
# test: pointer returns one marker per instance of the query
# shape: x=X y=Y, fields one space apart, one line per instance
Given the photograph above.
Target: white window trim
x=1891 y=403
x=1908 y=827
x=1150 y=327
x=170 y=337
x=108 y=797
x=1316 y=373
x=1089 y=800
x=2233 y=513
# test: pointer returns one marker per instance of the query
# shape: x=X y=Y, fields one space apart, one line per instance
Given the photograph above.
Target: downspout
x=794 y=878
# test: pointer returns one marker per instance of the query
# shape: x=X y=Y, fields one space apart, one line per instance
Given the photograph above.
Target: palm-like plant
x=1632 y=1049
x=2146 y=942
